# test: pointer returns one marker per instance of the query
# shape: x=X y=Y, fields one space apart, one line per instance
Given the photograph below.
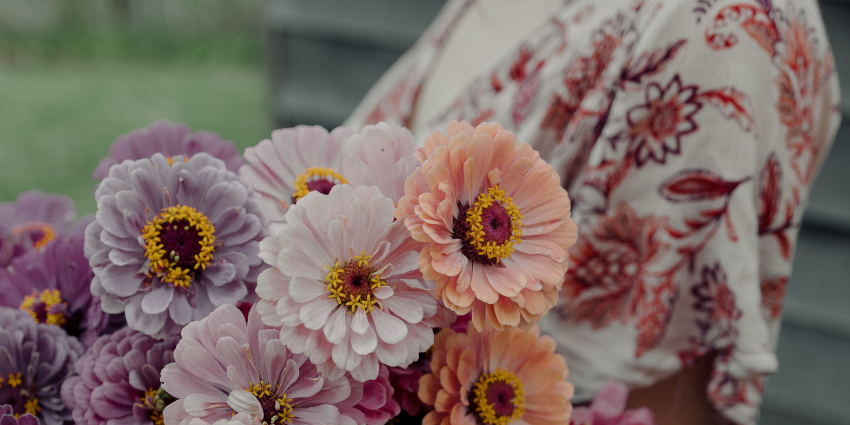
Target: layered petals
x=228 y=370
x=344 y=285
x=495 y=222
x=174 y=238
x=496 y=376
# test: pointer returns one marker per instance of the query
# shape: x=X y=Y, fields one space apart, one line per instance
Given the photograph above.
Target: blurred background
x=75 y=74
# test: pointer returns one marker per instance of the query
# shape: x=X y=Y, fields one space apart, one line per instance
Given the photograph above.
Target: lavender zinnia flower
x=9 y=418
x=225 y=368
x=34 y=360
x=173 y=241
x=130 y=391
x=32 y=221
x=53 y=286
x=170 y=139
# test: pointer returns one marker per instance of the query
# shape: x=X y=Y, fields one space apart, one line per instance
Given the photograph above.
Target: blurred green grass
x=63 y=102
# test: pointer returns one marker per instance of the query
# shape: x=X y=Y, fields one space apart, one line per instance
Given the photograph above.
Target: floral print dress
x=688 y=134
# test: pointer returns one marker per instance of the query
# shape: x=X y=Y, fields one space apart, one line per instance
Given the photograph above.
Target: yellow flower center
x=320 y=179
x=40 y=233
x=498 y=398
x=495 y=225
x=179 y=242
x=354 y=284
x=38 y=306
x=276 y=410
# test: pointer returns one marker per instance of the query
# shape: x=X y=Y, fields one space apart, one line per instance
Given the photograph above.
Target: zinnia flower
x=173 y=241
x=9 y=418
x=53 y=286
x=34 y=360
x=342 y=284
x=381 y=155
x=496 y=378
x=496 y=223
x=225 y=367
x=170 y=139
x=32 y=221
x=405 y=380
x=293 y=163
x=130 y=391
x=609 y=408
x=377 y=404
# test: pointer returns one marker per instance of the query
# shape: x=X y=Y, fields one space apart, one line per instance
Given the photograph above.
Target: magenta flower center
x=320 y=179
x=501 y=395
x=498 y=398
x=489 y=228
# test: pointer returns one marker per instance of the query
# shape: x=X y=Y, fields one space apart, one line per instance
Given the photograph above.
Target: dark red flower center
x=181 y=241
x=501 y=396
x=498 y=398
x=356 y=280
x=353 y=284
x=496 y=224
x=15 y=393
x=321 y=186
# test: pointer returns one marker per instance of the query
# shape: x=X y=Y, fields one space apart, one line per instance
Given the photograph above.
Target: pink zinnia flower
x=381 y=155
x=343 y=284
x=496 y=378
x=496 y=223
x=293 y=163
x=378 y=404
x=228 y=371
x=609 y=408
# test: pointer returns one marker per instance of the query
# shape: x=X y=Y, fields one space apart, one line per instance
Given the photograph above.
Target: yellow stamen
x=475 y=235
x=328 y=174
x=338 y=292
x=485 y=410
x=49 y=298
x=283 y=404
x=15 y=380
x=161 y=264
x=32 y=406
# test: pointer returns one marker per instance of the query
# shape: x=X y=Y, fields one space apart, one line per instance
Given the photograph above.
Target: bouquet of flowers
x=326 y=278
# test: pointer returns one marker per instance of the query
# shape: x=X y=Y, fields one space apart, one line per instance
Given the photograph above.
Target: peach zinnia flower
x=496 y=223
x=496 y=378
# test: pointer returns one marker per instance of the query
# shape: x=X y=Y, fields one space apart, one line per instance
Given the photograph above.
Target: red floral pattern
x=688 y=135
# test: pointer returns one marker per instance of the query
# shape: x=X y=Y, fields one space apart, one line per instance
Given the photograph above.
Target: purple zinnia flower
x=34 y=360
x=7 y=417
x=32 y=221
x=225 y=367
x=173 y=241
x=170 y=139
x=53 y=284
x=130 y=391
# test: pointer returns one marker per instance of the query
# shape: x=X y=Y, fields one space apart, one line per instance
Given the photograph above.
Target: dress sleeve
x=692 y=196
